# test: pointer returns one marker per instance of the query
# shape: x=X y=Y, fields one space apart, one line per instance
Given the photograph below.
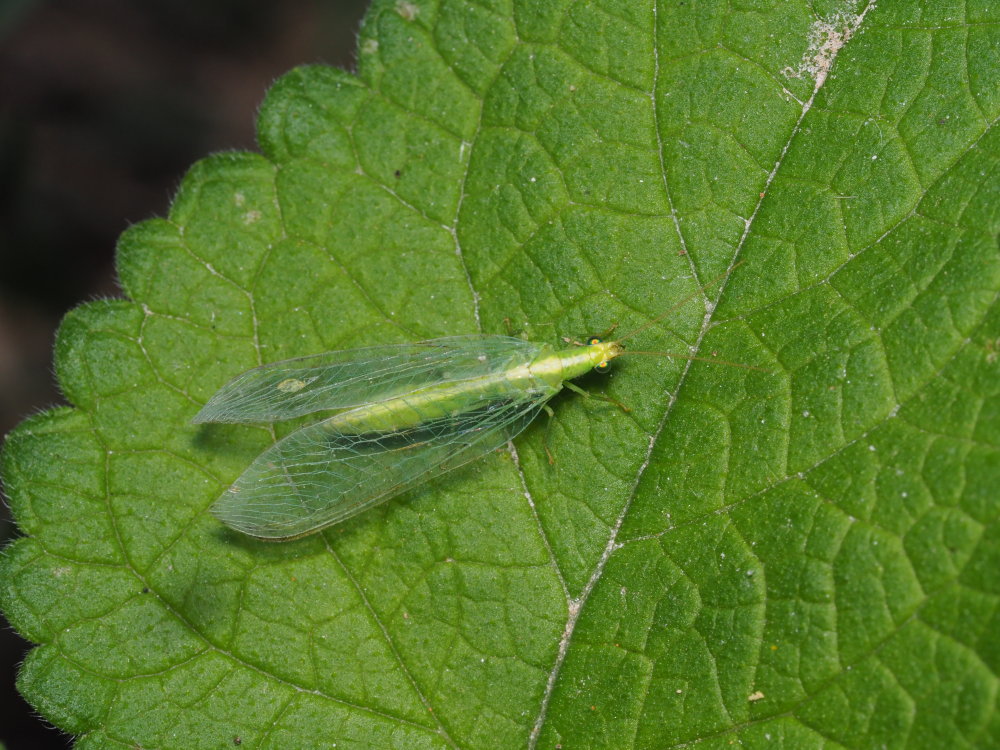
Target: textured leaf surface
x=808 y=557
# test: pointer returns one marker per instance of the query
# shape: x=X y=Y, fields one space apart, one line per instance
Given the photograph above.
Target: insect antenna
x=695 y=359
x=676 y=306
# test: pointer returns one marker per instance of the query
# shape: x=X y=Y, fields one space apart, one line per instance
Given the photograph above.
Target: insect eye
x=593 y=340
x=603 y=366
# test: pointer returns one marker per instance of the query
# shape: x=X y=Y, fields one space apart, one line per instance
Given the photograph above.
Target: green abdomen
x=440 y=401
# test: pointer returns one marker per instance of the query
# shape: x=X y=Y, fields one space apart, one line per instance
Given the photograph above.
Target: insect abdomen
x=439 y=401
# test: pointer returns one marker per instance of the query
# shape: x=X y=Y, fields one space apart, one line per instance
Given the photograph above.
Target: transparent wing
x=317 y=476
x=352 y=377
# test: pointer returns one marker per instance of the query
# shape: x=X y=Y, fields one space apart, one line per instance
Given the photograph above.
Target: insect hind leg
x=548 y=429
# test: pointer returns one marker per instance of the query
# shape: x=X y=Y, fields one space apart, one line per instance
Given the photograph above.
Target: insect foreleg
x=600 y=396
x=607 y=333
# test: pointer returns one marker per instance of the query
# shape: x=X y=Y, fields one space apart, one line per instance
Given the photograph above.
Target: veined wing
x=352 y=377
x=316 y=477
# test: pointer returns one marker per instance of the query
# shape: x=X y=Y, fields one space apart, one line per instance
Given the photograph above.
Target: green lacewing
x=404 y=414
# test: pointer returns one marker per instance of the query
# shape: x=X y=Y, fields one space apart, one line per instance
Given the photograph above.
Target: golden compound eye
x=604 y=366
x=593 y=340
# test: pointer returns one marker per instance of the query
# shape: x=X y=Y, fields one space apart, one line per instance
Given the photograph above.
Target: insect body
x=404 y=414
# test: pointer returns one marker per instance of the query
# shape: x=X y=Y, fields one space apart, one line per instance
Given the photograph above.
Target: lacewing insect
x=404 y=414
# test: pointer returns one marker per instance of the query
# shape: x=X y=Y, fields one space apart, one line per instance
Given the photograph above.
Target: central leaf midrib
x=579 y=603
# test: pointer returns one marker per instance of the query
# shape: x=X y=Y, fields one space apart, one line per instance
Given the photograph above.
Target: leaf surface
x=803 y=557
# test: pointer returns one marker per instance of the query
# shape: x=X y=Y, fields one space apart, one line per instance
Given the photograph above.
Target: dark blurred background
x=104 y=104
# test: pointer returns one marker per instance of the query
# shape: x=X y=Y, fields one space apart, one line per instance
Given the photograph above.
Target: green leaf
x=804 y=557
